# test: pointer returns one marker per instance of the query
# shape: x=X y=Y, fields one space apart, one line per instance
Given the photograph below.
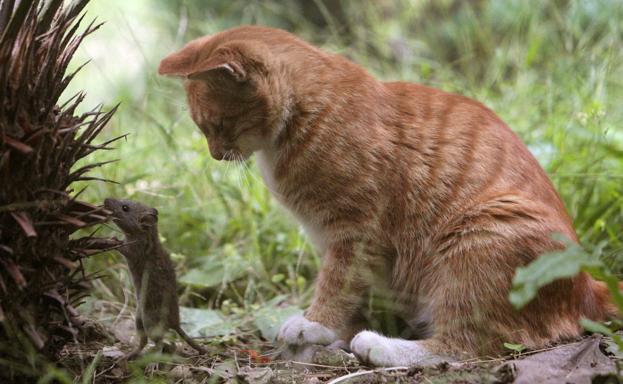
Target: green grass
x=552 y=70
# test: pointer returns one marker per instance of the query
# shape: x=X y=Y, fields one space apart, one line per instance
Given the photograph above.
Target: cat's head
x=234 y=96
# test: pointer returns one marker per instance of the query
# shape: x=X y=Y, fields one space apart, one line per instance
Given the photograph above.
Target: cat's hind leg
x=472 y=264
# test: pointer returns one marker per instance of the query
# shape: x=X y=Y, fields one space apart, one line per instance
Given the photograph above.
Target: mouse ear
x=148 y=220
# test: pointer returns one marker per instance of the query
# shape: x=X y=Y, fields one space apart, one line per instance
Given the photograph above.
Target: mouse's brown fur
x=152 y=273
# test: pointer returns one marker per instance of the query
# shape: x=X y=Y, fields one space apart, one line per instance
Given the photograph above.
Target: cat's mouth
x=234 y=155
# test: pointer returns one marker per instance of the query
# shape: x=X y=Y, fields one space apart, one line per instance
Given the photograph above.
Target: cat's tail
x=189 y=340
x=607 y=306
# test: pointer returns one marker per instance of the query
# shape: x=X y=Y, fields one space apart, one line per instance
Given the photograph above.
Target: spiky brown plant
x=41 y=274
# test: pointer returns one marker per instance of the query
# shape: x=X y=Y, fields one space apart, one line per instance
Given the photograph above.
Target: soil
x=593 y=359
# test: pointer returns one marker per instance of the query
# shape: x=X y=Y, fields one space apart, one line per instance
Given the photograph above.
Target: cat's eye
x=125 y=208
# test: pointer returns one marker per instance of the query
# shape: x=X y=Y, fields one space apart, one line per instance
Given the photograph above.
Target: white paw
x=381 y=351
x=297 y=330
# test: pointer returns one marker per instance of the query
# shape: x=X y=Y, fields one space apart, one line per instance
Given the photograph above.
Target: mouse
x=152 y=272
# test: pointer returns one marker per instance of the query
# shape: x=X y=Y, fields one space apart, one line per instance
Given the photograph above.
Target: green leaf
x=87 y=376
x=595 y=327
x=614 y=342
x=547 y=268
x=269 y=319
x=514 y=347
x=205 y=322
x=278 y=278
x=216 y=272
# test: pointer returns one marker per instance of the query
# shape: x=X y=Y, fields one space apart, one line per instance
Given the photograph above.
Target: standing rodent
x=152 y=273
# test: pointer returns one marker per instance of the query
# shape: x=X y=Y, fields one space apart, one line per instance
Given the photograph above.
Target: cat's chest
x=266 y=164
x=317 y=235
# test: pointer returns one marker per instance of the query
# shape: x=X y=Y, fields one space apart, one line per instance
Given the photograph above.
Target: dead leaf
x=256 y=357
x=65 y=262
x=256 y=375
x=18 y=145
x=24 y=221
x=72 y=220
x=112 y=352
x=574 y=363
x=14 y=271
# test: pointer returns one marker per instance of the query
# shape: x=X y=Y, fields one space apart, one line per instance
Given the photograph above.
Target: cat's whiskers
x=249 y=172
x=227 y=167
x=232 y=157
x=241 y=167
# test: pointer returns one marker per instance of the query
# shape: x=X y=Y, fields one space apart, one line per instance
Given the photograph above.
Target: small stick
x=361 y=373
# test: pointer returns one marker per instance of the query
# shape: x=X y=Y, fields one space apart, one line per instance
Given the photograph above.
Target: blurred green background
x=553 y=70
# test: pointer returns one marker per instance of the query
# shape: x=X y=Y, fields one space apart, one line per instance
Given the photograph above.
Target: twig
x=361 y=373
x=317 y=365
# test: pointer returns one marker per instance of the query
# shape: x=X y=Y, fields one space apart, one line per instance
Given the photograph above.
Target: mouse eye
x=125 y=208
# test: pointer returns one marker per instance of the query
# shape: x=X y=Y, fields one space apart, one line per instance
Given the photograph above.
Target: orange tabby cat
x=426 y=191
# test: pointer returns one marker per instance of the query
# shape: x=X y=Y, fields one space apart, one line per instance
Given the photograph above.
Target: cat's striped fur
x=428 y=191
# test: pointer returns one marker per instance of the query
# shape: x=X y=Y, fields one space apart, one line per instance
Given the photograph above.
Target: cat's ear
x=223 y=62
x=231 y=60
x=180 y=63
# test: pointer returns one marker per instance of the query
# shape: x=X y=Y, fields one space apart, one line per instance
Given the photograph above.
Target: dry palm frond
x=41 y=274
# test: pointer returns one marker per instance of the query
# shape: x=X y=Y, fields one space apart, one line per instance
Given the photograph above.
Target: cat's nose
x=217 y=154
x=217 y=151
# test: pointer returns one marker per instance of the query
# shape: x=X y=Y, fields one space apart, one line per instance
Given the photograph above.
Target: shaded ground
x=593 y=359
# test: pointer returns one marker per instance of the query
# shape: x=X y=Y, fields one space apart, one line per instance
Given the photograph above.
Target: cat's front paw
x=381 y=351
x=297 y=330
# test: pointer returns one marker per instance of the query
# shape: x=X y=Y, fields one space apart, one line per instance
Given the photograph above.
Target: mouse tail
x=189 y=340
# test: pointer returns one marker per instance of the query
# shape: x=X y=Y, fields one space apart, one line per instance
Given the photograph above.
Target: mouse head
x=132 y=217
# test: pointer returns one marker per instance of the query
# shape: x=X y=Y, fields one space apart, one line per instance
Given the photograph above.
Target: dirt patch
x=253 y=361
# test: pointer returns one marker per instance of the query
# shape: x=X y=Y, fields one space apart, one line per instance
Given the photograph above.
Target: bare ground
x=593 y=359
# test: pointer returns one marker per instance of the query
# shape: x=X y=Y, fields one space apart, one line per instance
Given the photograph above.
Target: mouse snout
x=108 y=203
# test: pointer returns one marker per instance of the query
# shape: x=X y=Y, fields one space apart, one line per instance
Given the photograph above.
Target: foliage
x=550 y=267
x=565 y=264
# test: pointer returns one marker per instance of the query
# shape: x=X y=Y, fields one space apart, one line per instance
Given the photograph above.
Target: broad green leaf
x=269 y=319
x=546 y=269
x=216 y=272
x=205 y=322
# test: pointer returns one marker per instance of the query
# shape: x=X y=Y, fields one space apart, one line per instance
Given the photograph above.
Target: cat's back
x=462 y=153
